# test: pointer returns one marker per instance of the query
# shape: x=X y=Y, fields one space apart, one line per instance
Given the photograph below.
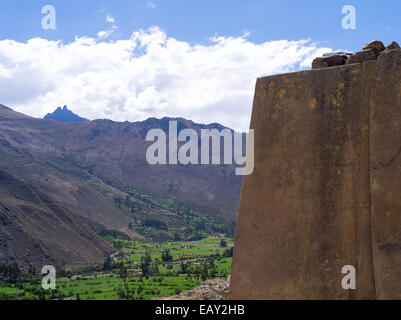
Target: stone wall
x=326 y=189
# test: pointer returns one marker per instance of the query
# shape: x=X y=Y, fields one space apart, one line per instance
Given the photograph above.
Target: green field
x=179 y=250
x=189 y=264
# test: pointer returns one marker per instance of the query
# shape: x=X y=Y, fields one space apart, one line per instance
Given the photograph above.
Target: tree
x=123 y=272
x=117 y=244
x=14 y=273
x=145 y=265
x=212 y=273
x=204 y=271
x=229 y=252
x=107 y=264
x=166 y=256
x=184 y=267
x=42 y=295
x=10 y=272
x=223 y=243
x=140 y=289
x=155 y=270
x=31 y=270
x=121 y=293
x=61 y=269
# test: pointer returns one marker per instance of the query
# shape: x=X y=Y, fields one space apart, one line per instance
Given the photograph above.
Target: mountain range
x=64 y=184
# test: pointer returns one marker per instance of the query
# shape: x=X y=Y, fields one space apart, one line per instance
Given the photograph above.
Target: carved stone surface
x=325 y=192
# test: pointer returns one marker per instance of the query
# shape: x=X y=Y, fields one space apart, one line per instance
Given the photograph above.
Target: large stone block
x=325 y=192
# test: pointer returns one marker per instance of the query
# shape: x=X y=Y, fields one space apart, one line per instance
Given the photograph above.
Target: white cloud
x=110 y=19
x=148 y=75
x=151 y=4
x=102 y=35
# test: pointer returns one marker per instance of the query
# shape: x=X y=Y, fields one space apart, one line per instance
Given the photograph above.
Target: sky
x=127 y=60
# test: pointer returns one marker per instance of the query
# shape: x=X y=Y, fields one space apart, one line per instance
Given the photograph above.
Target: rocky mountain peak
x=64 y=115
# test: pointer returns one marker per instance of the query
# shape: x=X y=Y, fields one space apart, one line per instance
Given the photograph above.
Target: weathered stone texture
x=386 y=176
x=362 y=56
x=330 y=60
x=319 y=63
x=327 y=142
x=393 y=45
x=375 y=44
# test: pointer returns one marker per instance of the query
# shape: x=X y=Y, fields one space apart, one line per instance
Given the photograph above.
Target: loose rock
x=339 y=53
x=319 y=63
x=378 y=45
x=393 y=45
x=336 y=60
x=362 y=56
x=331 y=59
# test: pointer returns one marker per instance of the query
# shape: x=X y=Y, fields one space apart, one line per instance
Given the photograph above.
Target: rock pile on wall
x=370 y=51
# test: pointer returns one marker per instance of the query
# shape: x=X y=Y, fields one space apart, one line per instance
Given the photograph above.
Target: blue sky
x=134 y=59
x=196 y=21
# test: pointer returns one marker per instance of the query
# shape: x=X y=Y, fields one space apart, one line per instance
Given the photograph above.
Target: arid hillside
x=97 y=173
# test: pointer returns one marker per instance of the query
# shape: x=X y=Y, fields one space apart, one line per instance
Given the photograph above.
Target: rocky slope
x=211 y=290
x=35 y=229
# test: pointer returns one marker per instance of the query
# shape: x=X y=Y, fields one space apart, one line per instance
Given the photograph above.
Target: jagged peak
x=64 y=115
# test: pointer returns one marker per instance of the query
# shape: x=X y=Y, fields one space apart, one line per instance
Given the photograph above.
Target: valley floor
x=137 y=271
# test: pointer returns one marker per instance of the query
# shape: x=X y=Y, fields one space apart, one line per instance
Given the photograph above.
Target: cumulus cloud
x=148 y=75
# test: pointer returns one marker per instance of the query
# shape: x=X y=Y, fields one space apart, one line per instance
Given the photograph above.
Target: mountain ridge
x=98 y=171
